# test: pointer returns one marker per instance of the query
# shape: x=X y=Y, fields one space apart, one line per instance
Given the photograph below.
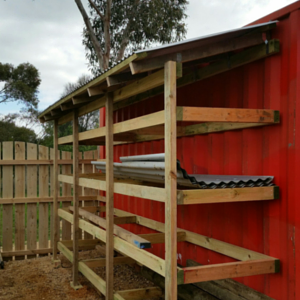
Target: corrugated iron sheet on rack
x=151 y=168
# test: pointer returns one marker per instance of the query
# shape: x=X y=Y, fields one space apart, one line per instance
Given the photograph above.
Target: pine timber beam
x=109 y=222
x=135 y=190
x=42 y=162
x=137 y=129
x=141 y=256
x=115 y=80
x=124 y=234
x=170 y=102
x=221 y=247
x=82 y=244
x=76 y=232
x=159 y=238
x=139 y=294
x=184 y=197
x=232 y=61
x=150 y=82
x=230 y=270
x=205 y=196
x=21 y=200
x=56 y=189
x=197 y=53
x=100 y=262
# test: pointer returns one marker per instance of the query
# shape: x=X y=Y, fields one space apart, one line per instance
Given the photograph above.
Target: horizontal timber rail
x=238 y=118
x=135 y=240
x=20 y=200
x=42 y=162
x=184 y=197
x=249 y=262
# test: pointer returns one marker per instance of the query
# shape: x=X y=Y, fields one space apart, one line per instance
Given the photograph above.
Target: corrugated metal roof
x=151 y=168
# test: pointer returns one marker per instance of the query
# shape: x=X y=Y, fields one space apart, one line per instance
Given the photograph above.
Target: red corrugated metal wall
x=270 y=227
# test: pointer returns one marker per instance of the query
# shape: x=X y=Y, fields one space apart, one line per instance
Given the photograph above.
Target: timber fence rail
x=26 y=202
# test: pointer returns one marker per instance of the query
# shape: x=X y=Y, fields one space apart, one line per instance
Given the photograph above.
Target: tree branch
x=97 y=10
x=107 y=31
x=92 y=35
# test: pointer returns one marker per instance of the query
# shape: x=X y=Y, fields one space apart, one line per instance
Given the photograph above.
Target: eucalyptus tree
x=115 y=28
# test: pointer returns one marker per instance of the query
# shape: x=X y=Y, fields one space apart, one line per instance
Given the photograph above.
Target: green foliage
x=86 y=122
x=9 y=131
x=20 y=84
x=134 y=24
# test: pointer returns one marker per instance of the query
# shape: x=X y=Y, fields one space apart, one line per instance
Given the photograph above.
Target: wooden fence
x=26 y=201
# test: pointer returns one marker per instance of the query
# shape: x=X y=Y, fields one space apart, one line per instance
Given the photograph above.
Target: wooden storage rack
x=168 y=124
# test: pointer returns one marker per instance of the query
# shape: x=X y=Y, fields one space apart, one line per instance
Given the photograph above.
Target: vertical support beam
x=76 y=230
x=55 y=191
x=109 y=196
x=170 y=182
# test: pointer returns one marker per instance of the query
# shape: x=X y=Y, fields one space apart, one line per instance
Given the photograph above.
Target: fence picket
x=66 y=191
x=43 y=192
x=19 y=192
x=7 y=193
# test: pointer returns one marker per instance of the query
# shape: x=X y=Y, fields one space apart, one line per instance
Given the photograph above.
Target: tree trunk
x=102 y=62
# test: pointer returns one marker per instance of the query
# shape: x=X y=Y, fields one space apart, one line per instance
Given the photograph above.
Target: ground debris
x=37 y=279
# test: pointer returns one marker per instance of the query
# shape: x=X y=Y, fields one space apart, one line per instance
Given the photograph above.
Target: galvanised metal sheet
x=270 y=227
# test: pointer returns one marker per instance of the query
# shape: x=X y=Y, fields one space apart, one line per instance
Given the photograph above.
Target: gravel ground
x=37 y=279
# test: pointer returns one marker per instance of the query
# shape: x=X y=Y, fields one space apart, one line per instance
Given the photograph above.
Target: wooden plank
x=32 y=195
x=159 y=238
x=186 y=197
x=134 y=190
x=20 y=192
x=234 y=115
x=117 y=230
x=140 y=294
x=221 y=247
x=7 y=184
x=30 y=253
x=170 y=180
x=88 y=168
x=56 y=227
x=101 y=262
x=76 y=232
x=42 y=162
x=228 y=289
x=43 y=192
x=197 y=53
x=82 y=244
x=124 y=220
x=66 y=191
x=115 y=80
x=96 y=91
x=45 y=199
x=230 y=270
x=109 y=225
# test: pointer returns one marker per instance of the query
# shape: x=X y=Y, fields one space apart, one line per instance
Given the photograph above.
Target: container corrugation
x=270 y=227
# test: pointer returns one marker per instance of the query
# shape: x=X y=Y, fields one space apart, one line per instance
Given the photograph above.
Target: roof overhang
x=144 y=68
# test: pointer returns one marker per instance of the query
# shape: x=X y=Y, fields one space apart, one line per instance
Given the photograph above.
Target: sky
x=47 y=34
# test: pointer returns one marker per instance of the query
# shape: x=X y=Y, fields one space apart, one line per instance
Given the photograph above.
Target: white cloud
x=47 y=33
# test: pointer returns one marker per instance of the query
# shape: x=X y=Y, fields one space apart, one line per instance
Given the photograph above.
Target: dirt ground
x=37 y=279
